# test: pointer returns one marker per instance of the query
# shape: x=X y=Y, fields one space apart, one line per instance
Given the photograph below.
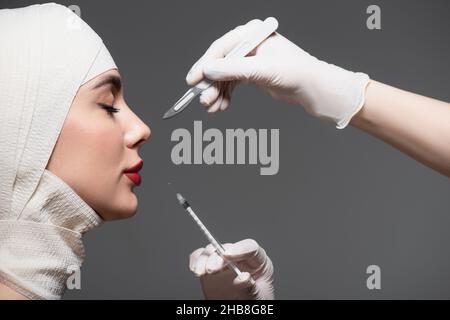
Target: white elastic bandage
x=47 y=53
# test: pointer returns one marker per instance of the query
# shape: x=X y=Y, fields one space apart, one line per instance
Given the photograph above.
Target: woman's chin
x=127 y=208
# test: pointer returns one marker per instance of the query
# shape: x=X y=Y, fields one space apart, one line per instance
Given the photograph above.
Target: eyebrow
x=113 y=80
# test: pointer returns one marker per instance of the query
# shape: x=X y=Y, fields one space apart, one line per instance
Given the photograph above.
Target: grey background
x=341 y=201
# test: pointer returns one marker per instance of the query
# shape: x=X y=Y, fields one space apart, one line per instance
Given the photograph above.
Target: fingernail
x=196 y=274
x=189 y=76
x=211 y=270
x=203 y=99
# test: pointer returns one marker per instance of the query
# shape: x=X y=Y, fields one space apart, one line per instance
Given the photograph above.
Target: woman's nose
x=137 y=133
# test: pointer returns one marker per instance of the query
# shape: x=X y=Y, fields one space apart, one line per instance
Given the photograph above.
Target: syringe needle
x=219 y=248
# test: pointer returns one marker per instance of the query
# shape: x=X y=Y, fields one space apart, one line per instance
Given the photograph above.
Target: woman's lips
x=133 y=174
x=135 y=177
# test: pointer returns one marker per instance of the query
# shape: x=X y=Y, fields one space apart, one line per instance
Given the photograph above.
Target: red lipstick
x=133 y=173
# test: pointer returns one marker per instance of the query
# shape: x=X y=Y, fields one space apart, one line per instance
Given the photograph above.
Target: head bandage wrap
x=47 y=53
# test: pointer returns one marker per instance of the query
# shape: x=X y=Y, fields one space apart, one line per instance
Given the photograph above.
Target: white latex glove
x=285 y=71
x=220 y=283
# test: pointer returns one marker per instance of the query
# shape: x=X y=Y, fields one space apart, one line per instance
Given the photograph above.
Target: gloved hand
x=220 y=283
x=285 y=71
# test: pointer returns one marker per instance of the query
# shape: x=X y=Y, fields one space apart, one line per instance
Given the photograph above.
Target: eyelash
x=109 y=109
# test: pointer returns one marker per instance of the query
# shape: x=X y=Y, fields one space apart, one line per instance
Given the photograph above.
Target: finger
x=216 y=105
x=214 y=263
x=209 y=249
x=209 y=96
x=244 y=30
x=195 y=74
x=243 y=281
x=193 y=258
x=245 y=69
x=227 y=95
x=227 y=246
x=241 y=249
x=223 y=91
x=200 y=261
x=220 y=48
x=248 y=250
x=225 y=103
x=200 y=265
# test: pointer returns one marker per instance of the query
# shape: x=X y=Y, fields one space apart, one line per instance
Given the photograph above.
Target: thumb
x=244 y=280
x=230 y=69
x=248 y=250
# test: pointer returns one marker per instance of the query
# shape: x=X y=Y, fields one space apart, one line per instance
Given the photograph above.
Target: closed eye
x=108 y=108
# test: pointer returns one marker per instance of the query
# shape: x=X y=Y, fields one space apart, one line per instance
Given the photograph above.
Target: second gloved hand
x=285 y=71
x=219 y=282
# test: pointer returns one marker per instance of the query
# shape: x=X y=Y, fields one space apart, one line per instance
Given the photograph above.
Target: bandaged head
x=47 y=53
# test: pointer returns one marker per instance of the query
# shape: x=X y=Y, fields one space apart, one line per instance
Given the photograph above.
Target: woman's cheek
x=106 y=166
x=107 y=146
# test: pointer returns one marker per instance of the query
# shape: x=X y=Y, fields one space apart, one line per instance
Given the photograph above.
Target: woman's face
x=100 y=139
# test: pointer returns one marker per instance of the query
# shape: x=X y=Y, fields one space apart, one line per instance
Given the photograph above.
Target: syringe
x=219 y=248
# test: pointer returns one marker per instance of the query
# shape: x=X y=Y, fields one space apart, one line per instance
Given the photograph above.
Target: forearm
x=417 y=125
